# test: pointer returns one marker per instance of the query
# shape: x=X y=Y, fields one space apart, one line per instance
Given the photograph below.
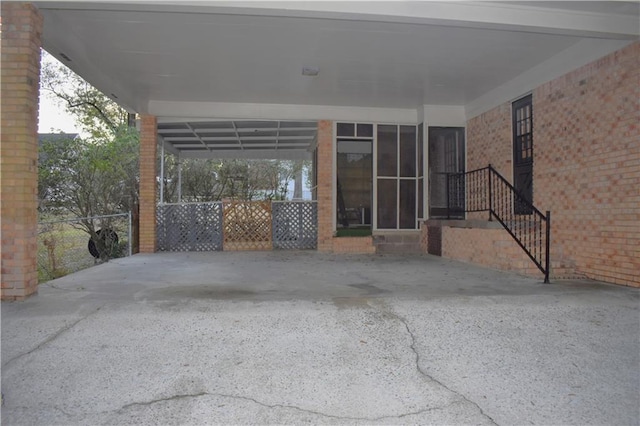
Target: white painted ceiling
x=392 y=55
x=184 y=57
x=389 y=55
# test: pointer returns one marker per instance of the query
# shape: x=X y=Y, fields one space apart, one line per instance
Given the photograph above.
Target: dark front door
x=523 y=154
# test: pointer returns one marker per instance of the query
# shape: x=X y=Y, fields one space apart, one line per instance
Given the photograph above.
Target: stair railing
x=486 y=190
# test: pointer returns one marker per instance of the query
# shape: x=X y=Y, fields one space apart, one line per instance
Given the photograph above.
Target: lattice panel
x=295 y=225
x=189 y=227
x=247 y=225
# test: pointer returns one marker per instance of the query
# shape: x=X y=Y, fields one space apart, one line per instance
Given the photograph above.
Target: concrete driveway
x=306 y=337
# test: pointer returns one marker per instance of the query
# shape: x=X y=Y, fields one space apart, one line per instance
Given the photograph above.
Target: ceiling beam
x=251 y=129
x=193 y=111
x=166 y=131
x=288 y=154
x=470 y=14
x=197 y=137
x=270 y=138
x=235 y=128
x=168 y=146
x=239 y=147
x=240 y=130
x=499 y=15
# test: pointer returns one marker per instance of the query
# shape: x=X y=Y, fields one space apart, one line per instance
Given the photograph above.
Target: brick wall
x=489 y=141
x=21 y=41
x=431 y=237
x=494 y=248
x=586 y=163
x=148 y=193
x=484 y=243
x=325 y=185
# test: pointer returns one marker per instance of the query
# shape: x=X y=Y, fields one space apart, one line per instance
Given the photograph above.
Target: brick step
x=398 y=248
x=398 y=243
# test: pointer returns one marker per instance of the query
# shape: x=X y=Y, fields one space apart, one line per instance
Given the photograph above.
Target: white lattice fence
x=189 y=227
x=247 y=225
x=295 y=225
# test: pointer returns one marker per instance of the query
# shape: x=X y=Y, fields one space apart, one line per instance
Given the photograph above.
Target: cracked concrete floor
x=306 y=337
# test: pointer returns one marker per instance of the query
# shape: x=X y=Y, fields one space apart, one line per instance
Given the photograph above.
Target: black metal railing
x=486 y=190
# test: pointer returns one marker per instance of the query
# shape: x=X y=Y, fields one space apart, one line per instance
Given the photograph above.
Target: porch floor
x=305 y=337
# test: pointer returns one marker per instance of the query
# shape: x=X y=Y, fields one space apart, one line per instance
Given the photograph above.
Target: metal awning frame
x=239 y=139
x=229 y=139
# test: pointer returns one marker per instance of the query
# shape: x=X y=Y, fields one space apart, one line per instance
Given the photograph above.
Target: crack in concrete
x=283 y=406
x=427 y=375
x=169 y=398
x=51 y=338
x=331 y=416
x=461 y=398
x=272 y=406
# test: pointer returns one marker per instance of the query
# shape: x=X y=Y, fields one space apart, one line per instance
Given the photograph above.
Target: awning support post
x=162 y=173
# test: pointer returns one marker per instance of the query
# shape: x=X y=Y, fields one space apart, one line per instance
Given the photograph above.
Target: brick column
x=326 y=210
x=21 y=41
x=148 y=194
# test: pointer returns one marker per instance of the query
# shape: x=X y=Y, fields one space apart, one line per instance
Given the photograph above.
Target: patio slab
x=306 y=337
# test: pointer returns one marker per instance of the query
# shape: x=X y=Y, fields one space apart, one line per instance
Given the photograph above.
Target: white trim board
x=239 y=111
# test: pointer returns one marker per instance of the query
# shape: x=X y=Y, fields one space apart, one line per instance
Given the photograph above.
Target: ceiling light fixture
x=310 y=71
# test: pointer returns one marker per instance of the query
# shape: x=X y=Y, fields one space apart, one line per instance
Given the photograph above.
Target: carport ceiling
x=394 y=54
x=242 y=138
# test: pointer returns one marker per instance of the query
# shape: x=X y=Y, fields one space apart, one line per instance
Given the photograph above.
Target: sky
x=52 y=116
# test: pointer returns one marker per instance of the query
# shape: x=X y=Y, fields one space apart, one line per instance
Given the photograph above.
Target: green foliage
x=353 y=232
x=215 y=180
x=81 y=178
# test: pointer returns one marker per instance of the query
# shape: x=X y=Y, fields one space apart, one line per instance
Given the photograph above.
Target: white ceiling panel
x=152 y=52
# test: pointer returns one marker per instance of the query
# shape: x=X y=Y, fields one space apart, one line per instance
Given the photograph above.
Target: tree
x=55 y=155
x=96 y=174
